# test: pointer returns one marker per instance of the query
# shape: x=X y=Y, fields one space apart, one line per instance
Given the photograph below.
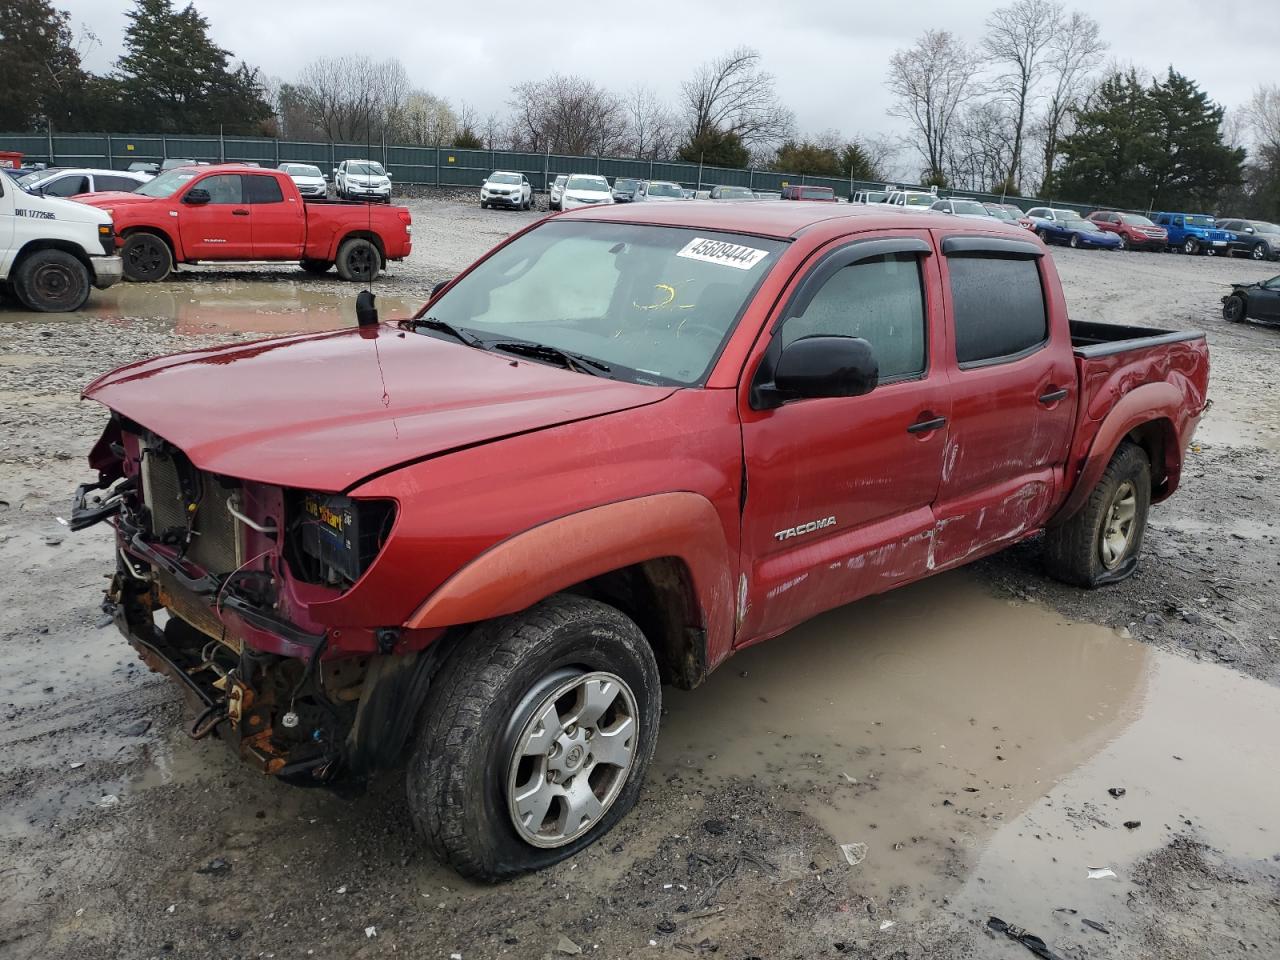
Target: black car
x=1253 y=301
x=1257 y=238
x=625 y=189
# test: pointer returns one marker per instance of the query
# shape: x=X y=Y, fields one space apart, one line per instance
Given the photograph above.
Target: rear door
x=219 y=229
x=106 y=181
x=278 y=218
x=70 y=185
x=839 y=490
x=1013 y=394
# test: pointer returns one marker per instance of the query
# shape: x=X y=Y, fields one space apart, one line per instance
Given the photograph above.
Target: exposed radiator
x=215 y=544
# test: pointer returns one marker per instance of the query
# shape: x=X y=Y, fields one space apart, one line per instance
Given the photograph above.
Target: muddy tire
x=51 y=281
x=316 y=267
x=358 y=260
x=147 y=258
x=535 y=738
x=1101 y=543
x=1234 y=309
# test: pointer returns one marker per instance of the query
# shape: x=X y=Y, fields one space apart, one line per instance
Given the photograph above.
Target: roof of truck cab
x=774 y=218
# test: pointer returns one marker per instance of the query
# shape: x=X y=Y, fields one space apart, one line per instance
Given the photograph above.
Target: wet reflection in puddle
x=931 y=723
x=197 y=306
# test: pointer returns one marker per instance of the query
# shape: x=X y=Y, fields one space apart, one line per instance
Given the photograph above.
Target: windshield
x=1135 y=220
x=919 y=200
x=1264 y=227
x=591 y=184
x=665 y=190
x=623 y=183
x=366 y=169
x=1075 y=223
x=820 y=193
x=1199 y=220
x=302 y=170
x=655 y=303
x=1000 y=213
x=969 y=206
x=167 y=184
x=504 y=178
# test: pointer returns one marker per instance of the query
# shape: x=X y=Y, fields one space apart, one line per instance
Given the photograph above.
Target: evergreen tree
x=857 y=163
x=1193 y=165
x=716 y=148
x=40 y=75
x=807 y=158
x=180 y=80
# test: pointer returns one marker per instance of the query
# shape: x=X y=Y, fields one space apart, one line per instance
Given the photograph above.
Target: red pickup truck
x=234 y=212
x=622 y=445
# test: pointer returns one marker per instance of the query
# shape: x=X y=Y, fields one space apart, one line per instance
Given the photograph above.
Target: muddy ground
x=960 y=737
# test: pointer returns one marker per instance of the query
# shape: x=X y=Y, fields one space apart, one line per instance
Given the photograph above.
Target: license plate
x=1219 y=243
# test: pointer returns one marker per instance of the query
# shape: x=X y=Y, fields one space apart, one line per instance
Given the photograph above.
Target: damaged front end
x=216 y=584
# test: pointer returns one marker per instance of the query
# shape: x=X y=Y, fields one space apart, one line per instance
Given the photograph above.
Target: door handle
x=1053 y=396
x=926 y=426
x=239 y=213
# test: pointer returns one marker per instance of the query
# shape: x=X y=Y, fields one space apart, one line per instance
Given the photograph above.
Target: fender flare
x=1149 y=403
x=529 y=566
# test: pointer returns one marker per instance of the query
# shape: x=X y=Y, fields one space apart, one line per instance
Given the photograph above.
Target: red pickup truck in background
x=235 y=212
x=624 y=444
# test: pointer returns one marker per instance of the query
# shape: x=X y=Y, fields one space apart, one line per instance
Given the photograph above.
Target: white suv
x=362 y=180
x=504 y=189
x=308 y=179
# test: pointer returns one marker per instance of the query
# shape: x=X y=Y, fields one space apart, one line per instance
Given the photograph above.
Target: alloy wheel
x=1117 y=529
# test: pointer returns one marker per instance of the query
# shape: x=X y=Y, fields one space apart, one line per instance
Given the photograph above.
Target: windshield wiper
x=544 y=351
x=458 y=333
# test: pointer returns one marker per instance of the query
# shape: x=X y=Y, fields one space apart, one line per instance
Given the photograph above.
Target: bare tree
x=932 y=81
x=731 y=94
x=1018 y=39
x=353 y=98
x=1262 y=115
x=978 y=152
x=1073 y=56
x=566 y=114
x=425 y=120
x=653 y=126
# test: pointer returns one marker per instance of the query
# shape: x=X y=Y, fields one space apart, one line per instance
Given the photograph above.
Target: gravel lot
x=961 y=735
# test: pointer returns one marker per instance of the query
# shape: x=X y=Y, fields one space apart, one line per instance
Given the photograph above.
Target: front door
x=277 y=219
x=219 y=229
x=1013 y=392
x=839 y=490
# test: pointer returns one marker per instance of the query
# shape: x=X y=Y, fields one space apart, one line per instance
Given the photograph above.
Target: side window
x=880 y=299
x=223 y=189
x=103 y=182
x=259 y=189
x=67 y=186
x=997 y=306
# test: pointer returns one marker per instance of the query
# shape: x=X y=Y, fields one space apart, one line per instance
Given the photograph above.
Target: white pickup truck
x=52 y=250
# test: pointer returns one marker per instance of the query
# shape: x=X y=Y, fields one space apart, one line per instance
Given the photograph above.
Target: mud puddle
x=959 y=743
x=193 y=305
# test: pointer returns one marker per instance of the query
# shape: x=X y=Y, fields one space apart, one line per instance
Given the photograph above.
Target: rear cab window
x=262 y=189
x=997 y=306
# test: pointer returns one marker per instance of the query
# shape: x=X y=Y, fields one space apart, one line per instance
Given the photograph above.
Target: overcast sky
x=829 y=56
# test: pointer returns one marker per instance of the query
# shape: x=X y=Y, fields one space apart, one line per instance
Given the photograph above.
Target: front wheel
x=1191 y=246
x=1074 y=241
x=1101 y=542
x=358 y=260
x=536 y=738
x=1234 y=309
x=146 y=257
x=51 y=281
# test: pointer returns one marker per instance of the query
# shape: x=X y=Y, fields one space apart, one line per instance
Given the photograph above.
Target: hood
x=118 y=198
x=324 y=411
x=590 y=196
x=73 y=211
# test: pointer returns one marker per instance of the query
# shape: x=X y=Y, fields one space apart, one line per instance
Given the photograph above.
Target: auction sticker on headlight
x=722 y=252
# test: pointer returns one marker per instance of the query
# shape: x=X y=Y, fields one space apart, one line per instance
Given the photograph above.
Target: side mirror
x=821 y=366
x=197 y=197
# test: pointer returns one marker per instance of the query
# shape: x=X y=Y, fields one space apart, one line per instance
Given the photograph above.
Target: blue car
x=1070 y=228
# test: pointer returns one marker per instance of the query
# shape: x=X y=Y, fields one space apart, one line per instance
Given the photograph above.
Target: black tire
x=1043 y=235
x=316 y=267
x=1191 y=246
x=51 y=281
x=1259 y=251
x=1235 y=308
x=147 y=258
x=1074 y=242
x=358 y=260
x=484 y=205
x=480 y=703
x=1074 y=550
x=1124 y=243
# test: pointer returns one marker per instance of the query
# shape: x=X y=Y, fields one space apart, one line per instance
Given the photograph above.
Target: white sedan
x=585 y=190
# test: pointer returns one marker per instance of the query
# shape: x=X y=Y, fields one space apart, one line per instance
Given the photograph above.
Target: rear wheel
x=1259 y=251
x=1124 y=242
x=536 y=738
x=1235 y=308
x=1101 y=542
x=316 y=267
x=1043 y=235
x=51 y=281
x=358 y=260
x=146 y=257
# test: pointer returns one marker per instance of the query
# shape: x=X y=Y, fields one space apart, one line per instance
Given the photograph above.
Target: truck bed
x=1090 y=339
